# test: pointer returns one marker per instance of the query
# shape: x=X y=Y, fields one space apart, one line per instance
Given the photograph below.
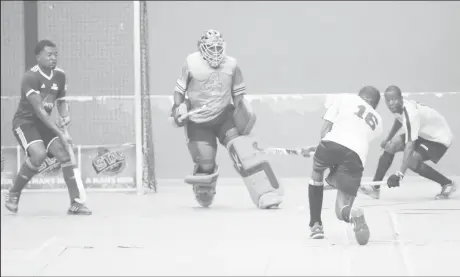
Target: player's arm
x=327 y=127
x=239 y=87
x=412 y=128
x=179 y=107
x=181 y=85
x=396 y=126
x=31 y=89
x=330 y=117
x=62 y=105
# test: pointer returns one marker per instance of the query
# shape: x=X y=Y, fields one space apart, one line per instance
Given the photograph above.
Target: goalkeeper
x=212 y=79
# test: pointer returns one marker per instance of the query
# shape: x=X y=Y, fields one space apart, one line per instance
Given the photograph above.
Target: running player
x=351 y=123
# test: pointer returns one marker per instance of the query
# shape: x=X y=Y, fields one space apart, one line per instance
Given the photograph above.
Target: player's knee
x=317 y=175
x=206 y=168
x=204 y=156
x=62 y=156
x=37 y=156
x=415 y=162
x=394 y=146
x=391 y=148
x=230 y=135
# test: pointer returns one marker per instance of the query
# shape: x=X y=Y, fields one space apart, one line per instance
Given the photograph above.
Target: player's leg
x=202 y=146
x=30 y=140
x=394 y=146
x=56 y=149
x=327 y=155
x=347 y=179
x=426 y=150
x=257 y=173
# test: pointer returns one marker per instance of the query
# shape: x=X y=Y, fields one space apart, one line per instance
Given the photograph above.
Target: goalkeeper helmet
x=212 y=47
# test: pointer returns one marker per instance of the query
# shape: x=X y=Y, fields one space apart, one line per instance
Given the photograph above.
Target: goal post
x=145 y=154
x=109 y=102
x=138 y=95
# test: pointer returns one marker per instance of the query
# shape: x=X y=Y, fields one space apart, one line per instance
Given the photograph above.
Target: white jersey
x=355 y=124
x=422 y=121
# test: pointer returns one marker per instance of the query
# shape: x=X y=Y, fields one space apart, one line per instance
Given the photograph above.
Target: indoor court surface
x=168 y=234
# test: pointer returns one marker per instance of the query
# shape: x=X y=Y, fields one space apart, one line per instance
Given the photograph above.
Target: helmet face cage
x=212 y=47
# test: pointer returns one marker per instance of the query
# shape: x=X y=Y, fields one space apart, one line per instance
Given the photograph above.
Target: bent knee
x=37 y=155
x=230 y=135
x=415 y=162
x=61 y=155
x=394 y=146
x=206 y=168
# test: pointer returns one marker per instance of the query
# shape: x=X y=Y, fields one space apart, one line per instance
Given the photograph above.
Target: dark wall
x=315 y=47
x=12 y=43
x=96 y=44
x=12 y=63
x=295 y=48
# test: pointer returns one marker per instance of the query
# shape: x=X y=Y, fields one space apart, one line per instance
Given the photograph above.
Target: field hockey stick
x=190 y=113
x=286 y=151
x=76 y=171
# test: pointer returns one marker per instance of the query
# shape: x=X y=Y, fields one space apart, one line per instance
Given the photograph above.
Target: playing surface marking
x=168 y=234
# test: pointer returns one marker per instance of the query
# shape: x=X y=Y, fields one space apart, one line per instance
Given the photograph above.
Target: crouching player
x=36 y=132
x=427 y=137
x=351 y=123
x=211 y=78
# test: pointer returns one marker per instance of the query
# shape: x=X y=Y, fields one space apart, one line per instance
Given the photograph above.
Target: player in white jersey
x=212 y=79
x=351 y=123
x=427 y=136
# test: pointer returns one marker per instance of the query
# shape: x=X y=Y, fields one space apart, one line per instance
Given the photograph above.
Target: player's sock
x=385 y=162
x=432 y=174
x=69 y=178
x=27 y=171
x=315 y=197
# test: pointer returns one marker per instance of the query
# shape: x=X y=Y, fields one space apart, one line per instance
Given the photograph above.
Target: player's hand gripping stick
x=187 y=115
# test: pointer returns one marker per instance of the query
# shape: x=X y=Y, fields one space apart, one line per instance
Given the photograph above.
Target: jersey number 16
x=370 y=118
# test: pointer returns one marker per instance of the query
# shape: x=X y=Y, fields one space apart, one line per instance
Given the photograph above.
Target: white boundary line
x=35 y=253
x=407 y=261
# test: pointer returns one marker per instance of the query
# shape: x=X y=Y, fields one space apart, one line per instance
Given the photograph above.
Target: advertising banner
x=108 y=166
x=9 y=165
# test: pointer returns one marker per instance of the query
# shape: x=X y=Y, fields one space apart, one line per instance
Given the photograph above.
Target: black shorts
x=29 y=133
x=346 y=168
x=222 y=128
x=429 y=150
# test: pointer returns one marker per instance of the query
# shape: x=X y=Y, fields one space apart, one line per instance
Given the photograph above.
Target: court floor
x=168 y=234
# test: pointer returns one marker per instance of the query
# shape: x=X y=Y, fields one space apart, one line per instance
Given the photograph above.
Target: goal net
x=104 y=52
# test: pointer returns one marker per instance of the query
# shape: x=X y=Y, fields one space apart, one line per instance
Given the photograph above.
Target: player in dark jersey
x=35 y=130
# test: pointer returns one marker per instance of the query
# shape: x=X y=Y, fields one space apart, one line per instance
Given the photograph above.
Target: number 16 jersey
x=355 y=124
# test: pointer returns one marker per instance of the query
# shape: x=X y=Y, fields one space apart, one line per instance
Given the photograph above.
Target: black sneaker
x=360 y=227
x=12 y=201
x=447 y=191
x=78 y=209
